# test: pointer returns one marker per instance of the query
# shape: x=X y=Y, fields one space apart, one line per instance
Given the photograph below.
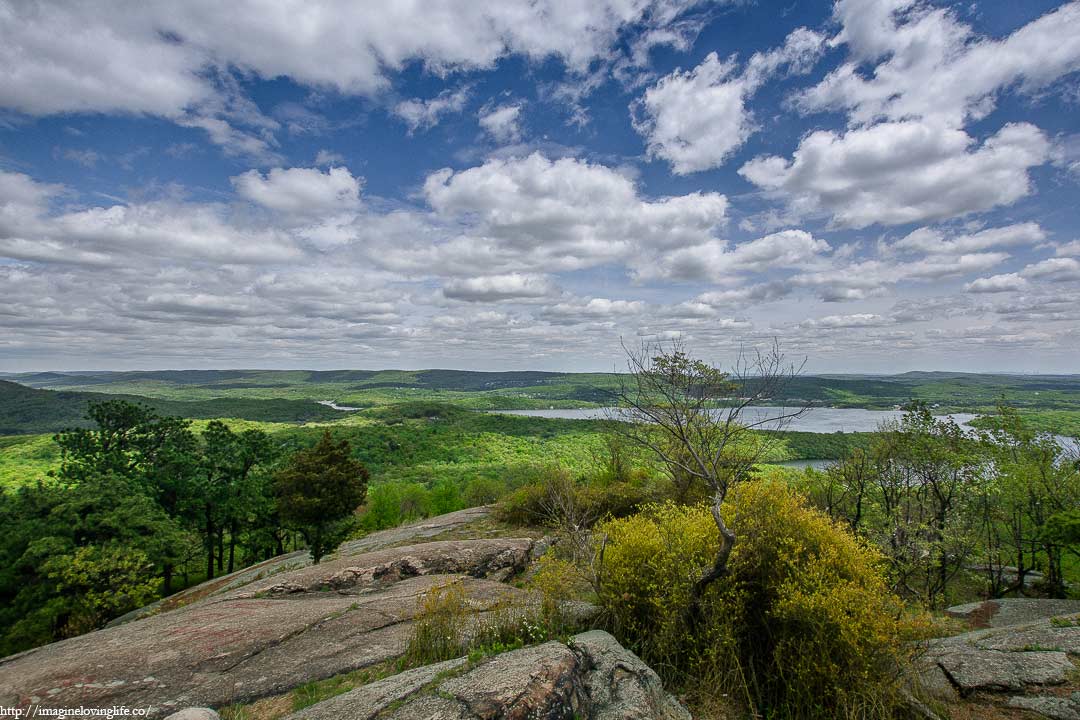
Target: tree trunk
x=221 y=549
x=719 y=567
x=209 y=542
x=232 y=544
x=166 y=579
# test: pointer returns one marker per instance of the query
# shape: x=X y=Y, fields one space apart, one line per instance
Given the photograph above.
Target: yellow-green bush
x=803 y=625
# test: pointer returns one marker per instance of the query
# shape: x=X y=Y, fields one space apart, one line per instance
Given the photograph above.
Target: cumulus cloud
x=696 y=119
x=176 y=60
x=903 y=172
x=1007 y=282
x=561 y=214
x=1057 y=269
x=716 y=261
x=934 y=241
x=924 y=62
x=496 y=288
x=301 y=191
x=150 y=57
x=1068 y=249
x=502 y=123
x=421 y=114
x=914 y=78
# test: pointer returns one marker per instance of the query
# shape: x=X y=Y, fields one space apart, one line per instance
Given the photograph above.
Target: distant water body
x=816 y=420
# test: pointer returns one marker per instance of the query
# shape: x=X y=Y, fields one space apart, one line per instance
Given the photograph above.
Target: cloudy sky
x=882 y=185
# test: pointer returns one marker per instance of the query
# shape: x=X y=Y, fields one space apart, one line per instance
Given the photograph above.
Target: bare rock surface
x=194 y=713
x=1057 y=708
x=411 y=532
x=976 y=669
x=266 y=637
x=1012 y=611
x=594 y=678
x=1020 y=665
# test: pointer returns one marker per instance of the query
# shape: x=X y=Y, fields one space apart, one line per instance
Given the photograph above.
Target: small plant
x=439 y=630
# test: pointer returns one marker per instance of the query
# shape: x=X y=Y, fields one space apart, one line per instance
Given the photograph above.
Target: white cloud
x=902 y=172
x=696 y=119
x=717 y=262
x=934 y=66
x=560 y=214
x=128 y=234
x=496 y=288
x=914 y=78
x=932 y=241
x=1007 y=282
x=856 y=320
x=301 y=191
x=421 y=114
x=150 y=57
x=1068 y=249
x=1058 y=269
x=329 y=157
x=502 y=123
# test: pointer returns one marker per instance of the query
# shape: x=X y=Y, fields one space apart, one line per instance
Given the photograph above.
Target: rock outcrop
x=409 y=533
x=1018 y=660
x=593 y=678
x=1012 y=611
x=265 y=637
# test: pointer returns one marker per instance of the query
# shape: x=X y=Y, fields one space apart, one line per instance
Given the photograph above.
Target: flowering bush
x=802 y=626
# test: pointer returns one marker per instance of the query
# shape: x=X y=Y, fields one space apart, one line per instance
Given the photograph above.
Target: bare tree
x=693 y=417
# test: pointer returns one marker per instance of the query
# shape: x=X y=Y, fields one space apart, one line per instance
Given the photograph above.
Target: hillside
x=25 y=410
x=957 y=392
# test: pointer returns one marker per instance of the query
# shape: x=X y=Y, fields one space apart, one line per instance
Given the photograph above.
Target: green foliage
x=104 y=581
x=26 y=410
x=802 y=625
x=439 y=631
x=554 y=498
x=1063 y=528
x=447 y=627
x=26 y=459
x=318 y=490
x=73 y=558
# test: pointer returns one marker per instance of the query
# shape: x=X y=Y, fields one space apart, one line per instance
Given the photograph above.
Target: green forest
x=143 y=496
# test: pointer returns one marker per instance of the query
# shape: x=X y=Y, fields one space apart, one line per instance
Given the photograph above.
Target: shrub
x=390 y=504
x=483 y=491
x=439 y=631
x=445 y=627
x=803 y=625
x=556 y=499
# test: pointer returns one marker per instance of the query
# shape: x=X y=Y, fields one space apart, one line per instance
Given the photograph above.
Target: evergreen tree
x=318 y=491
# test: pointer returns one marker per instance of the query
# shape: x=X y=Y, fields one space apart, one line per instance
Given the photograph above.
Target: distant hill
x=26 y=410
x=288 y=395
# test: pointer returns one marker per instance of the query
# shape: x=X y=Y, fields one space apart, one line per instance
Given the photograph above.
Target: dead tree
x=694 y=418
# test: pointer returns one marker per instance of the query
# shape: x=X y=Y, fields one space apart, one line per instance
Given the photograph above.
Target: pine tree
x=318 y=491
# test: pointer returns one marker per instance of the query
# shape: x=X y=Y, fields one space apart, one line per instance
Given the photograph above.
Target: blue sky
x=881 y=185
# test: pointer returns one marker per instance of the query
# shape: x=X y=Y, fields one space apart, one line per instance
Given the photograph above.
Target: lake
x=816 y=420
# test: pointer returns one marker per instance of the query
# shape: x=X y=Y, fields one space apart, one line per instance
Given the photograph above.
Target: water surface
x=816 y=420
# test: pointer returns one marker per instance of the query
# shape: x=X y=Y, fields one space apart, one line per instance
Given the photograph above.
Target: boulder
x=264 y=638
x=594 y=678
